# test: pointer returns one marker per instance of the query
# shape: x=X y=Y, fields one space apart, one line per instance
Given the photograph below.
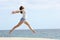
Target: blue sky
x=41 y=14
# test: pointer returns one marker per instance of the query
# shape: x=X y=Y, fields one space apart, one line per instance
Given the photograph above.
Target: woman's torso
x=23 y=13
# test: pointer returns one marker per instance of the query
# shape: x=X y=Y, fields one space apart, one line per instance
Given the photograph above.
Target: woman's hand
x=13 y=12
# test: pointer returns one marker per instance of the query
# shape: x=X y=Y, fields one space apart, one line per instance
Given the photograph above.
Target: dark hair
x=21 y=7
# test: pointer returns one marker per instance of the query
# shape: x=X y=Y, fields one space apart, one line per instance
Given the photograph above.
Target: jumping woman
x=23 y=20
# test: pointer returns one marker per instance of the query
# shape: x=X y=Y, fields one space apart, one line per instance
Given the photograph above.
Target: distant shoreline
x=34 y=29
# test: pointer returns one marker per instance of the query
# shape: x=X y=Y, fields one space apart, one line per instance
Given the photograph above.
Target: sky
x=41 y=14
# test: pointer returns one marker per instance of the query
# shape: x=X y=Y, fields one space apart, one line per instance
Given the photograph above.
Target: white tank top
x=23 y=13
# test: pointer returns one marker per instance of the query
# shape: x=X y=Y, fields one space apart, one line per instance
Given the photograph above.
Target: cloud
x=35 y=4
x=3 y=1
x=12 y=4
x=44 y=4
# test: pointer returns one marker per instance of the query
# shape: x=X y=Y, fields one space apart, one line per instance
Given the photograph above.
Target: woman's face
x=21 y=8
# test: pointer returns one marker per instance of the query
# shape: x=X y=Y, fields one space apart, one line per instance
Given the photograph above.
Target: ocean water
x=40 y=33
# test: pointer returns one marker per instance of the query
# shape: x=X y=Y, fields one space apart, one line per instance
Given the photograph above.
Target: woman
x=21 y=10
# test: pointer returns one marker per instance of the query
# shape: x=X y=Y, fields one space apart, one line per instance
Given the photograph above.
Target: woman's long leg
x=16 y=26
x=29 y=26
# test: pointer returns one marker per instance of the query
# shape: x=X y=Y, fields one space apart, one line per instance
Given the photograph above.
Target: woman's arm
x=17 y=11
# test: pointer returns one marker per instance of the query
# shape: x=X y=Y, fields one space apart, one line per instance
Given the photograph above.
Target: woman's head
x=21 y=7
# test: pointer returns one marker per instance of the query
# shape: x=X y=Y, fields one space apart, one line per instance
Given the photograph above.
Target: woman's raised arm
x=17 y=11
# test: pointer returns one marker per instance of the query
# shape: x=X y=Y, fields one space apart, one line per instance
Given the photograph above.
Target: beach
x=21 y=38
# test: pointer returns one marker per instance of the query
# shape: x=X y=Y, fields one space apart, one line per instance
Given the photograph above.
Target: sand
x=19 y=38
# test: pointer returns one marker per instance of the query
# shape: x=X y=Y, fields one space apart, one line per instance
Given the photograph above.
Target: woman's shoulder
x=23 y=11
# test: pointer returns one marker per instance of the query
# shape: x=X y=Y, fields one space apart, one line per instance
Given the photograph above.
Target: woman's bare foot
x=34 y=31
x=10 y=31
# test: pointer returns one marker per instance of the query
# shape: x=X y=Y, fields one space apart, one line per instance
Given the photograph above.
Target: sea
x=40 y=33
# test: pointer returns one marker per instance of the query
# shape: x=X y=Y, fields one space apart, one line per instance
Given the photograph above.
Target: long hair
x=20 y=8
